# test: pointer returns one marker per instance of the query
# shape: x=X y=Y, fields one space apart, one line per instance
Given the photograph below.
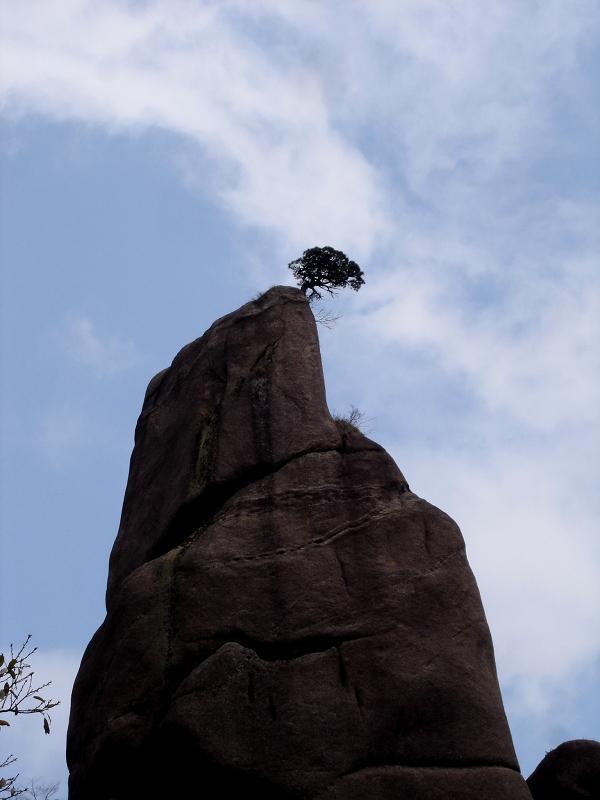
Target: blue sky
x=164 y=161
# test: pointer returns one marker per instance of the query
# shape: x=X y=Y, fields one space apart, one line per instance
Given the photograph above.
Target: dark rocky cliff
x=284 y=615
x=569 y=772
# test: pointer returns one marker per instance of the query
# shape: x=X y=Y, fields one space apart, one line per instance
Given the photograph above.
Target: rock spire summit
x=283 y=614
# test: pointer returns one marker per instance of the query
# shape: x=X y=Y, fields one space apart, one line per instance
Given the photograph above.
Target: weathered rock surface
x=569 y=772
x=284 y=615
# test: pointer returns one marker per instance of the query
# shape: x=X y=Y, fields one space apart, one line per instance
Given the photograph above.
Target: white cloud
x=529 y=543
x=185 y=68
x=533 y=355
x=104 y=357
x=282 y=96
x=64 y=429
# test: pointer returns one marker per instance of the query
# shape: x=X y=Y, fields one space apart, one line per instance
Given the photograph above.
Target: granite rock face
x=569 y=772
x=283 y=614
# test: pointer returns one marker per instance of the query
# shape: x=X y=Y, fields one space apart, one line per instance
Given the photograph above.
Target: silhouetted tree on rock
x=325 y=268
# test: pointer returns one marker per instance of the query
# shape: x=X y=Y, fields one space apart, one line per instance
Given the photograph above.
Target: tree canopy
x=325 y=268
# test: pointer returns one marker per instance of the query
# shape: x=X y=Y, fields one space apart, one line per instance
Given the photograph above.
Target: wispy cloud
x=298 y=103
x=193 y=69
x=533 y=547
x=103 y=356
x=530 y=353
x=62 y=433
x=529 y=542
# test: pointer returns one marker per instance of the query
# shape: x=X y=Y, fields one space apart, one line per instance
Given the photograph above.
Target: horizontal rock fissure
x=288 y=651
x=267 y=651
x=320 y=541
x=201 y=510
x=324 y=541
x=426 y=764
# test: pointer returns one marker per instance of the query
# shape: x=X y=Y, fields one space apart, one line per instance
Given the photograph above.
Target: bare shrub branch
x=327 y=318
x=18 y=695
x=353 y=422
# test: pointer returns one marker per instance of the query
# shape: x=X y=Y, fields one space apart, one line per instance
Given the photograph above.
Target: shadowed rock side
x=569 y=772
x=284 y=615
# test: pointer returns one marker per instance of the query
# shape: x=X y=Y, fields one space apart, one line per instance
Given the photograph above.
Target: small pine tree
x=325 y=268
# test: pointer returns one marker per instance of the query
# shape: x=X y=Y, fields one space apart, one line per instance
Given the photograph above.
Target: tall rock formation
x=284 y=615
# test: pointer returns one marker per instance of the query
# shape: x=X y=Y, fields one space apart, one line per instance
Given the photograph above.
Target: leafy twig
x=19 y=696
